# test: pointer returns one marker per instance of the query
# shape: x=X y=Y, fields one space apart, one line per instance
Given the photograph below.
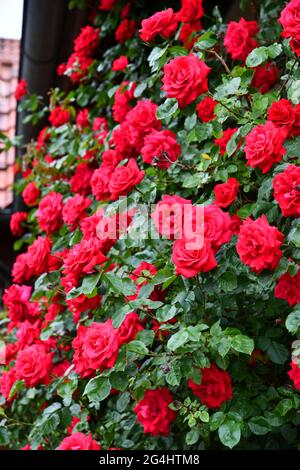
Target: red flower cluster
x=59 y=116
x=49 y=213
x=16 y=223
x=288 y=288
x=206 y=108
x=21 y=90
x=287 y=191
x=79 y=441
x=226 y=193
x=285 y=116
x=163 y=23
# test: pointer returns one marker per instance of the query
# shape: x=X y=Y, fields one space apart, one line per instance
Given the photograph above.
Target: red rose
x=290 y=20
x=95 y=347
x=123 y=101
x=226 y=193
x=215 y=387
x=295 y=130
x=59 y=116
x=288 y=288
x=223 y=141
x=294 y=374
x=190 y=261
x=33 y=365
x=282 y=114
x=120 y=63
x=38 y=256
x=16 y=223
x=88 y=225
x=191 y=10
x=21 y=90
x=153 y=412
x=187 y=36
x=42 y=138
x=129 y=328
x=82 y=119
x=49 y=213
x=106 y=5
x=74 y=210
x=100 y=128
x=264 y=146
x=82 y=304
x=124 y=179
x=81 y=180
x=259 y=244
x=77 y=67
x=87 y=41
x=27 y=333
x=79 y=441
x=127 y=140
x=16 y=299
x=185 y=78
x=82 y=259
x=100 y=182
x=239 y=40
x=205 y=109
x=31 y=194
x=265 y=77
x=217 y=226
x=236 y=223
x=163 y=23
x=286 y=187
x=142 y=120
x=168 y=216
x=160 y=149
x=7 y=380
x=125 y=30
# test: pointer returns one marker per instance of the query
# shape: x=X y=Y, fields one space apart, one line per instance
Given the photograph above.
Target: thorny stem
x=288 y=77
x=220 y=58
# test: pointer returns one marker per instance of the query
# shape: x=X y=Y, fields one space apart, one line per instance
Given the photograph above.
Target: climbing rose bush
x=154 y=301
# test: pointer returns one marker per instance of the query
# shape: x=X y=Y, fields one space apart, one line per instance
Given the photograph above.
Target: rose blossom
x=259 y=244
x=75 y=209
x=288 y=288
x=215 y=387
x=79 y=441
x=168 y=215
x=286 y=187
x=81 y=180
x=16 y=223
x=189 y=261
x=290 y=20
x=187 y=36
x=239 y=40
x=191 y=10
x=226 y=193
x=264 y=146
x=124 y=179
x=205 y=109
x=123 y=99
x=160 y=149
x=185 y=78
x=21 y=90
x=87 y=41
x=120 y=63
x=49 y=213
x=265 y=77
x=223 y=141
x=282 y=114
x=129 y=328
x=153 y=412
x=31 y=194
x=125 y=30
x=95 y=347
x=59 y=116
x=33 y=365
x=163 y=23
x=294 y=374
x=82 y=119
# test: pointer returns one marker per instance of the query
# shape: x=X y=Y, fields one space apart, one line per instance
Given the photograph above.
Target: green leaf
x=166 y=313
x=292 y=322
x=294 y=236
x=259 y=425
x=242 y=343
x=192 y=437
x=257 y=56
x=4 y=437
x=167 y=109
x=97 y=389
x=90 y=283
x=216 y=420
x=230 y=433
x=230 y=87
x=119 y=380
x=138 y=347
x=228 y=281
x=206 y=41
x=119 y=285
x=293 y=92
x=284 y=406
x=277 y=352
x=177 y=340
x=246 y=210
